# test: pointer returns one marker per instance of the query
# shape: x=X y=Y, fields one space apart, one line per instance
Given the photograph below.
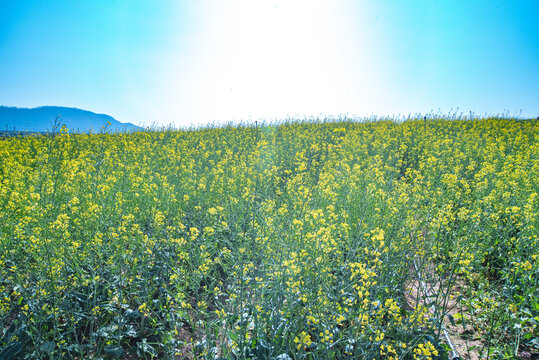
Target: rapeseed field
x=299 y=240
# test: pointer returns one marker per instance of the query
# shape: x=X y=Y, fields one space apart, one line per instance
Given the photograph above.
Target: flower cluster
x=310 y=239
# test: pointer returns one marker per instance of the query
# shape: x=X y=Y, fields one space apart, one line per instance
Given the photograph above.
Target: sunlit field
x=299 y=240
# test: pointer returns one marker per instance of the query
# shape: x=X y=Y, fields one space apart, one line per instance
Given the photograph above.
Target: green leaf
x=113 y=350
x=47 y=347
x=106 y=331
x=131 y=331
x=262 y=349
x=283 y=357
x=11 y=351
x=146 y=348
x=132 y=315
x=451 y=319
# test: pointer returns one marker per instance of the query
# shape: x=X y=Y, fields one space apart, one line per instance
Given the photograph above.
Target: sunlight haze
x=194 y=62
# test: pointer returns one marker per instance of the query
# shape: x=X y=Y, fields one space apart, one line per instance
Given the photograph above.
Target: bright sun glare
x=269 y=60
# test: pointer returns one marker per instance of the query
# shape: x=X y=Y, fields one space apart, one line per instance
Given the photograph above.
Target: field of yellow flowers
x=299 y=240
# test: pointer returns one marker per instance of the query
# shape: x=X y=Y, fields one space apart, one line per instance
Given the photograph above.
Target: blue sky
x=192 y=62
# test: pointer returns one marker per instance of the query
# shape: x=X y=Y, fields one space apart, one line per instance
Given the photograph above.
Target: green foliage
x=289 y=241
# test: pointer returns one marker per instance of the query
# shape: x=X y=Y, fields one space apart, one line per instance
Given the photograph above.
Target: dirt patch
x=466 y=340
x=185 y=335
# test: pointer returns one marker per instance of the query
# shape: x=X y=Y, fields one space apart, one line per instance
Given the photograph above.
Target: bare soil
x=466 y=340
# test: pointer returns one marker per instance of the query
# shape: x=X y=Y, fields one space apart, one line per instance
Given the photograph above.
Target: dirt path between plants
x=466 y=341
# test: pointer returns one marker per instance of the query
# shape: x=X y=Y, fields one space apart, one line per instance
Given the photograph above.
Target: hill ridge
x=43 y=118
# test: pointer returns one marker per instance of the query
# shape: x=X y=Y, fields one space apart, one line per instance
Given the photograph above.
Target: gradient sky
x=192 y=62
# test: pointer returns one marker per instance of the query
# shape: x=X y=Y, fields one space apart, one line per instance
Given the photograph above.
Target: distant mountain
x=42 y=119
